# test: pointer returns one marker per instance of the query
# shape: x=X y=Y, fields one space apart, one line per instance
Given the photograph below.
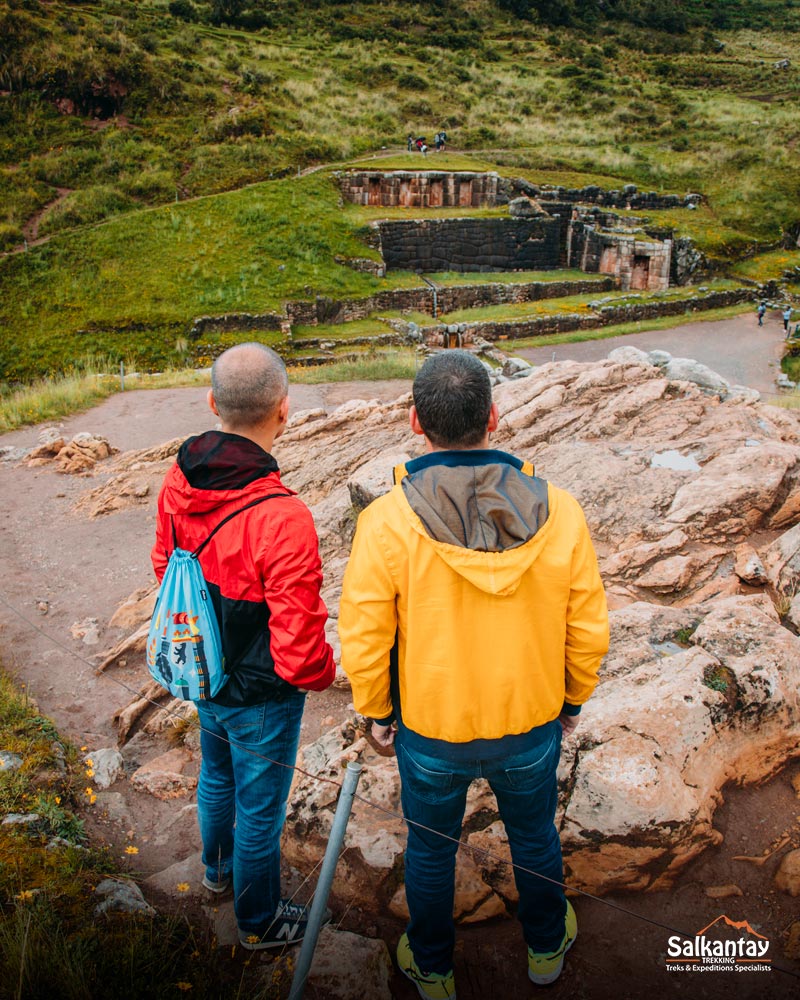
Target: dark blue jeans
x=434 y=794
x=241 y=799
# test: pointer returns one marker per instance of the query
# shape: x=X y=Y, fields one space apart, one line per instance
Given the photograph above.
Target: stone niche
x=638 y=264
x=497 y=244
x=420 y=189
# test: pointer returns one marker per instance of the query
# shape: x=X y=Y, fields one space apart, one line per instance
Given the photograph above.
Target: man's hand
x=569 y=723
x=383 y=735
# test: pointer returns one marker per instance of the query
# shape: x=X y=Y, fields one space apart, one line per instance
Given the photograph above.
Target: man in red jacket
x=264 y=574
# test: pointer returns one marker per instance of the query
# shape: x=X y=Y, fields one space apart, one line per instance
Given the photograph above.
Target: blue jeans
x=434 y=793
x=241 y=799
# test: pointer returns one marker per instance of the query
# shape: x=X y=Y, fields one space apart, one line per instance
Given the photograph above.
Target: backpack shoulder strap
x=241 y=510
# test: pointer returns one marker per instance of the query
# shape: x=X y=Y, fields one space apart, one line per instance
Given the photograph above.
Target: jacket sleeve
x=159 y=554
x=292 y=577
x=587 y=622
x=368 y=619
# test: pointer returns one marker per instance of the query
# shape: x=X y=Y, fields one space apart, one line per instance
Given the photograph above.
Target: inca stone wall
x=539 y=326
x=326 y=310
x=471 y=244
x=420 y=189
x=628 y=197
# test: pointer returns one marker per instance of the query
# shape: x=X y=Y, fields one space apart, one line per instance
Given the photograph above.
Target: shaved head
x=249 y=382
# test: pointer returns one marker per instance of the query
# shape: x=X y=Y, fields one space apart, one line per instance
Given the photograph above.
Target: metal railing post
x=342 y=815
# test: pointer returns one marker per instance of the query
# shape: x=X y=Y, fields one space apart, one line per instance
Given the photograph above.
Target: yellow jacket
x=491 y=640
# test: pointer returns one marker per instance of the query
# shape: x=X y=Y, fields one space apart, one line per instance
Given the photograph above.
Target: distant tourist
x=442 y=140
x=422 y=145
x=410 y=143
x=761 y=310
x=787 y=316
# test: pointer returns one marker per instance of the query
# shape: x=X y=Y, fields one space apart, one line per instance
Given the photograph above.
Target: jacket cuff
x=567 y=709
x=387 y=721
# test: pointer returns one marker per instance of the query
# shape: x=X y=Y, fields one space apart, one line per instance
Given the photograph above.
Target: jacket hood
x=483 y=511
x=214 y=469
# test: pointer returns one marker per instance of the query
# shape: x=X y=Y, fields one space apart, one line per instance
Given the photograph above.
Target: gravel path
x=738 y=348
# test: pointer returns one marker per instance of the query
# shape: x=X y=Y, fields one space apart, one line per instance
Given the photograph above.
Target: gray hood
x=489 y=507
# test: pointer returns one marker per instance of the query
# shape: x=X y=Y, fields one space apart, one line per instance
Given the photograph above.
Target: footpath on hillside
x=737 y=348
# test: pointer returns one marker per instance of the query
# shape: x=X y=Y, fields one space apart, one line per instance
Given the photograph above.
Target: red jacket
x=262 y=568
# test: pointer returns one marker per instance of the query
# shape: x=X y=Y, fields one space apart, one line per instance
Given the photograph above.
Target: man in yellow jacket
x=473 y=616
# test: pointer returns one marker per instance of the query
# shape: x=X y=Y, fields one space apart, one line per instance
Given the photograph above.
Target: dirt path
x=58 y=568
x=737 y=348
x=31 y=228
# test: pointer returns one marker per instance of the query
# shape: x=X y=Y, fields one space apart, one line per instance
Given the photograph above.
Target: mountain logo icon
x=737 y=925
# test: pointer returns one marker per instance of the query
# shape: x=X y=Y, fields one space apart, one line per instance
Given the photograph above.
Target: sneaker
x=219 y=886
x=430 y=985
x=544 y=968
x=288 y=927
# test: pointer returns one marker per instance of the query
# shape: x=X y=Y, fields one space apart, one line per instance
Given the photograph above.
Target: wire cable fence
x=610 y=904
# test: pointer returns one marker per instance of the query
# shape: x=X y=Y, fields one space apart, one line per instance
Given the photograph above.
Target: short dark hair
x=249 y=382
x=453 y=398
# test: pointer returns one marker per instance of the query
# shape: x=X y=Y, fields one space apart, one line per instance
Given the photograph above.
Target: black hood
x=220 y=461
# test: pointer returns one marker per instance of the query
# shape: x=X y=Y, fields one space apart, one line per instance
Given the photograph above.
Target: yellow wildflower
x=84 y=749
x=92 y=799
x=183 y=887
x=130 y=849
x=58 y=800
x=253 y=938
x=89 y=763
x=184 y=986
x=89 y=790
x=89 y=772
x=24 y=896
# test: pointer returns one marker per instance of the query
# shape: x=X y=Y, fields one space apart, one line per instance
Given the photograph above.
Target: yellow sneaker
x=430 y=985
x=544 y=969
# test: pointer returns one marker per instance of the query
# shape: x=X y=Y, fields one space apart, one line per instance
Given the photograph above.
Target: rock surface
x=164 y=776
x=121 y=897
x=699 y=686
x=788 y=875
x=347 y=965
x=106 y=764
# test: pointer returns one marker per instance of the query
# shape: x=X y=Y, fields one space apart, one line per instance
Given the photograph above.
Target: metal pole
x=122 y=375
x=342 y=815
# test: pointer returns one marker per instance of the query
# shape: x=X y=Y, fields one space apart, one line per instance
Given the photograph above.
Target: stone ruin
x=548 y=227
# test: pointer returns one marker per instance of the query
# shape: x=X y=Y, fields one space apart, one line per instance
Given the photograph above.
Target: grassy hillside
x=109 y=108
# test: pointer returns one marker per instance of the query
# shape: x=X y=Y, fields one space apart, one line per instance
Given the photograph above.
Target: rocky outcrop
x=690 y=698
x=76 y=457
x=692 y=493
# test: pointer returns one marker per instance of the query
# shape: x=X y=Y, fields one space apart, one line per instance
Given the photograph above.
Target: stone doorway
x=640 y=275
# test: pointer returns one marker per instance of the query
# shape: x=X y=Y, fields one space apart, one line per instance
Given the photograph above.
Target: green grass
x=373 y=366
x=51 y=942
x=54 y=398
x=767 y=265
x=575 y=304
x=512 y=277
x=210 y=108
x=373 y=326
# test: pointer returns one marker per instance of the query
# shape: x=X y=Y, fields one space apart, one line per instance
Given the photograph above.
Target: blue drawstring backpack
x=184 y=646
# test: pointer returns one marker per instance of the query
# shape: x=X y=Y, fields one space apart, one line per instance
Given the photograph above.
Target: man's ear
x=283 y=410
x=494 y=419
x=212 y=403
x=413 y=420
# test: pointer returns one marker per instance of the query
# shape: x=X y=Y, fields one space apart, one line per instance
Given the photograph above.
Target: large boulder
x=690 y=698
